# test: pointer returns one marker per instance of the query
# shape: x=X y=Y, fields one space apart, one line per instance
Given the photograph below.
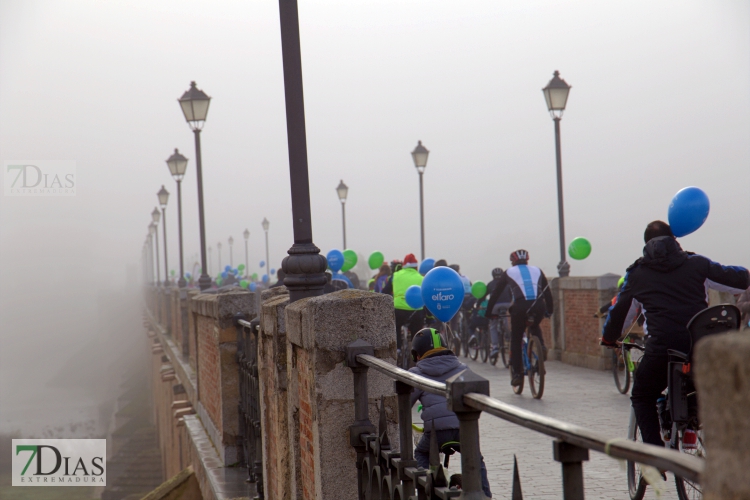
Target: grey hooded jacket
x=435 y=412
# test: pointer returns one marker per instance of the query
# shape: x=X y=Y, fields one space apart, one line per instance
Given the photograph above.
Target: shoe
x=689 y=440
x=517 y=381
x=494 y=351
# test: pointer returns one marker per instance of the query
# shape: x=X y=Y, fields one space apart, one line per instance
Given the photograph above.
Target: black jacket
x=672 y=286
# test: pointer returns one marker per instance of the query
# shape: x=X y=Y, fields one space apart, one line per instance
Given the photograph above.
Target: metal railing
x=392 y=474
x=249 y=405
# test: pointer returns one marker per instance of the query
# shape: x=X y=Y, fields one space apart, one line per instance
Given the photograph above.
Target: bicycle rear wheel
x=405 y=358
x=636 y=483
x=505 y=346
x=472 y=348
x=536 y=372
x=620 y=370
x=688 y=490
x=484 y=345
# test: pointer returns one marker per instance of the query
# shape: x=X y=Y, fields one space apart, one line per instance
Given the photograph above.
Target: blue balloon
x=273 y=271
x=224 y=275
x=227 y=268
x=426 y=265
x=265 y=278
x=413 y=297
x=262 y=263
x=252 y=287
x=235 y=271
x=335 y=260
x=187 y=275
x=688 y=210
x=443 y=292
x=341 y=277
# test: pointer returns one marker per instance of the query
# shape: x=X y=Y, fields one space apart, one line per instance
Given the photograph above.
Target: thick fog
x=659 y=101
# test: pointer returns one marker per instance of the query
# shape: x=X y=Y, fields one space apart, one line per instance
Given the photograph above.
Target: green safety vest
x=402 y=280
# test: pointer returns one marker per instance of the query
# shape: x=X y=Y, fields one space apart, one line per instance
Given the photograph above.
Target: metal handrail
x=684 y=465
x=412 y=379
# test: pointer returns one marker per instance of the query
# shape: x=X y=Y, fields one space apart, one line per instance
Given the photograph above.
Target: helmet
x=519 y=256
x=620 y=282
x=425 y=340
x=497 y=272
x=455 y=267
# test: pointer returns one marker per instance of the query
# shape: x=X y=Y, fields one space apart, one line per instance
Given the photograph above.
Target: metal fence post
x=406 y=459
x=458 y=386
x=362 y=424
x=571 y=457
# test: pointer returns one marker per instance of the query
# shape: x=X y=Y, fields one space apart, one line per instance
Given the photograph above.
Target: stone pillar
x=321 y=388
x=722 y=378
x=218 y=372
x=272 y=374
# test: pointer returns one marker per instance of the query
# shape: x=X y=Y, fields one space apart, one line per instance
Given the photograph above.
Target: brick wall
x=209 y=368
x=306 y=440
x=581 y=327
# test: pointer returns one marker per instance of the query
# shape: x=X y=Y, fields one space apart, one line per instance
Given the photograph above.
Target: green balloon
x=243 y=283
x=171 y=272
x=255 y=276
x=219 y=281
x=478 y=289
x=579 y=248
x=241 y=267
x=376 y=260
x=350 y=260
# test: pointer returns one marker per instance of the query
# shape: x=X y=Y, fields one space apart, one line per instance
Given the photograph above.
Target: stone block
x=722 y=377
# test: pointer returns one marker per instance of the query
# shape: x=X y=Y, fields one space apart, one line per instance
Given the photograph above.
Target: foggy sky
x=659 y=101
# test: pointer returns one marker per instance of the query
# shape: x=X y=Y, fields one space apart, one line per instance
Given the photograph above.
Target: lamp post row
x=304 y=265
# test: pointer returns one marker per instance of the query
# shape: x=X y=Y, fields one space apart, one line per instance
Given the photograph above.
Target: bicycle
x=681 y=429
x=503 y=332
x=479 y=344
x=624 y=363
x=404 y=359
x=533 y=363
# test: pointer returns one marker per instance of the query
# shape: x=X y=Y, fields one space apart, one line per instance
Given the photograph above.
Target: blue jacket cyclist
x=437 y=363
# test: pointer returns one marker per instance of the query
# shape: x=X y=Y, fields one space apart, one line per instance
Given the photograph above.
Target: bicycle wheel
x=620 y=370
x=505 y=346
x=536 y=372
x=473 y=348
x=688 y=490
x=484 y=345
x=636 y=483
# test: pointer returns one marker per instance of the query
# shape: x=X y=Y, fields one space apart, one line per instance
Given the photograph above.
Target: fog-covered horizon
x=659 y=101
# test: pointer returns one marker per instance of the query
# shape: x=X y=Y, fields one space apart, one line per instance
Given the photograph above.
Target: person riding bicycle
x=397 y=286
x=528 y=284
x=436 y=362
x=503 y=304
x=670 y=286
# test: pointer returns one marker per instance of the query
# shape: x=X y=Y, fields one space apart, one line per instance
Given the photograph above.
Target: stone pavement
x=577 y=395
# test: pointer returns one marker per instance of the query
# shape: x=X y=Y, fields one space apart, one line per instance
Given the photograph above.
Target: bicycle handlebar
x=629 y=346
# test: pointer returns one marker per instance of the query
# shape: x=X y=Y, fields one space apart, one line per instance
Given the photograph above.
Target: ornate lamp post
x=304 y=266
x=163 y=196
x=265 y=225
x=342 y=191
x=155 y=240
x=194 y=104
x=231 y=258
x=556 y=95
x=246 y=234
x=419 y=155
x=177 y=166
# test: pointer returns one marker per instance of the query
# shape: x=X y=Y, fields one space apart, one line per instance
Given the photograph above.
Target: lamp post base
x=563 y=269
x=305 y=271
x=204 y=282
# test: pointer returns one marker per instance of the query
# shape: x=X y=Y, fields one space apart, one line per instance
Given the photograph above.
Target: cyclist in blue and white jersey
x=532 y=301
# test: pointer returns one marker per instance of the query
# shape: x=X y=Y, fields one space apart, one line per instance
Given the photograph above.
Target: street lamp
x=177 y=166
x=556 y=95
x=218 y=246
x=155 y=239
x=343 y=190
x=304 y=266
x=246 y=234
x=231 y=258
x=163 y=196
x=419 y=155
x=265 y=225
x=194 y=104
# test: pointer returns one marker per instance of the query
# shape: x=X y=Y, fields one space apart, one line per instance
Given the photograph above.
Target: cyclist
x=528 y=284
x=503 y=304
x=670 y=285
x=437 y=363
x=467 y=304
x=397 y=287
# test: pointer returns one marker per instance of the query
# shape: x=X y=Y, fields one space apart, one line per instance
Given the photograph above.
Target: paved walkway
x=576 y=395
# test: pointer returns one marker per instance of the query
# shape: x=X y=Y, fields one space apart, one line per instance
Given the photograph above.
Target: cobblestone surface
x=576 y=395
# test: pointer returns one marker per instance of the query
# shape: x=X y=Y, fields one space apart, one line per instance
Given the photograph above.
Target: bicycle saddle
x=717 y=319
x=450 y=447
x=677 y=354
